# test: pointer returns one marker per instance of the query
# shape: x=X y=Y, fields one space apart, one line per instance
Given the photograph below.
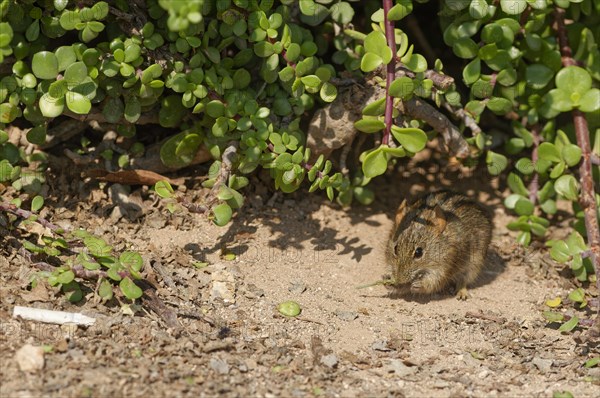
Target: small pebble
x=542 y=364
x=30 y=358
x=381 y=345
x=297 y=288
x=346 y=315
x=219 y=365
x=398 y=367
x=330 y=360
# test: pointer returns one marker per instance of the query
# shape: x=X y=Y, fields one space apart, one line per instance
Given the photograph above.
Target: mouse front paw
x=462 y=293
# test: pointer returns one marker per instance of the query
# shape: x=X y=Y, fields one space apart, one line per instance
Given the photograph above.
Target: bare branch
x=10 y=208
x=418 y=108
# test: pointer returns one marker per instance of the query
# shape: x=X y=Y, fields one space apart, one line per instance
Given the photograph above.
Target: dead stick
x=481 y=315
x=466 y=118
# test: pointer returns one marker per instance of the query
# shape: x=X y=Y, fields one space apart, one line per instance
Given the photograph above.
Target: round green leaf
x=66 y=56
x=525 y=166
x=311 y=81
x=263 y=49
x=66 y=277
x=375 y=42
x=132 y=52
x=513 y=7
x=37 y=135
x=51 y=107
x=478 y=9
x=496 y=163
x=375 y=163
x=78 y=103
x=328 y=92
x=8 y=112
x=130 y=289
x=415 y=62
x=472 y=71
x=341 y=12
x=69 y=19
x=465 y=48
x=289 y=308
x=569 y=325
x=222 y=214
x=400 y=10
x=36 y=204
x=402 y=87
x=590 y=101
x=44 y=65
x=524 y=238
x=571 y=154
x=369 y=125
x=524 y=207
x=241 y=79
x=538 y=76
x=163 y=189
x=499 y=105
x=574 y=79
x=132 y=260
x=559 y=100
x=567 y=186
x=75 y=74
x=133 y=110
x=515 y=183
x=215 y=109
x=370 y=62
x=548 y=151
x=105 y=290
x=312 y=13
x=553 y=316
x=411 y=139
x=292 y=52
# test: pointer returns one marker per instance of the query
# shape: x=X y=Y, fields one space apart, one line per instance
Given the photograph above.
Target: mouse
x=438 y=241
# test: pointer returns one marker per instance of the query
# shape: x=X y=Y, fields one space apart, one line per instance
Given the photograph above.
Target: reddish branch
x=391 y=71
x=587 y=196
x=534 y=184
x=10 y=208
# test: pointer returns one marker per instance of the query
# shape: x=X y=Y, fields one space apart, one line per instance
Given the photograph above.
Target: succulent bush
x=236 y=81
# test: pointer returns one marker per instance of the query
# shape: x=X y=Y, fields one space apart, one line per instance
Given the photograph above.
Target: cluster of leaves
x=515 y=69
x=242 y=73
x=82 y=255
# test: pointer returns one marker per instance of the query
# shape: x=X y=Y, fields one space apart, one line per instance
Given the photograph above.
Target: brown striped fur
x=453 y=233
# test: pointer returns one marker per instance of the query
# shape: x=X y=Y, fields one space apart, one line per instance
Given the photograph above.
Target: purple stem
x=534 y=184
x=10 y=208
x=390 y=72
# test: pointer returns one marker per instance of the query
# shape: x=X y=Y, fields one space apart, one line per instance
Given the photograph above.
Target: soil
x=229 y=338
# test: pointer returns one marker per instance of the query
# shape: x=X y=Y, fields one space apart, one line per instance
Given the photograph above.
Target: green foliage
x=242 y=74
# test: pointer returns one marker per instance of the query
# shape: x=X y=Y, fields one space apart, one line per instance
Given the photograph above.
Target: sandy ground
x=347 y=342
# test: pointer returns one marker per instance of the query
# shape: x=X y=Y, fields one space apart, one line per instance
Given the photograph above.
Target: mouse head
x=416 y=249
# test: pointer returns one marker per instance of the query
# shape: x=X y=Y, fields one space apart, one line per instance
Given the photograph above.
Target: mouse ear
x=401 y=212
x=439 y=220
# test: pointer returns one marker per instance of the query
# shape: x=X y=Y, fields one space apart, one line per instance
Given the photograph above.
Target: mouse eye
x=418 y=252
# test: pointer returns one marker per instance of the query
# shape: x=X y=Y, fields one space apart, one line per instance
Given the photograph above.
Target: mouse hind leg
x=473 y=264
